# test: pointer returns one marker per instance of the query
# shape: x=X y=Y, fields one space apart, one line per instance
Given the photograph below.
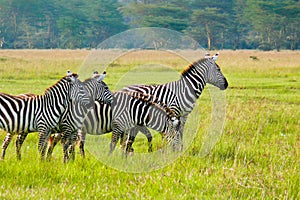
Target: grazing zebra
x=130 y=109
x=187 y=89
x=73 y=117
x=30 y=113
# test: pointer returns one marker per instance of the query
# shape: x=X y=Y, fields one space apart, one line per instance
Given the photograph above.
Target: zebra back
x=159 y=94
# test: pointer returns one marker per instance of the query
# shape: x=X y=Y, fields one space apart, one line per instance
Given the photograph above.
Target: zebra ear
x=207 y=55
x=69 y=73
x=95 y=74
x=215 y=57
x=71 y=77
x=99 y=77
x=102 y=76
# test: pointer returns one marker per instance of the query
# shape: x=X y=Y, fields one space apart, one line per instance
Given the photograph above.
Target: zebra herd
x=70 y=109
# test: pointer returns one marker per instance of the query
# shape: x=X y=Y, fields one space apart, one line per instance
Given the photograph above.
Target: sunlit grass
x=257 y=157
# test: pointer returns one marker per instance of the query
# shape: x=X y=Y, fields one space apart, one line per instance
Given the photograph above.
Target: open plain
x=257 y=157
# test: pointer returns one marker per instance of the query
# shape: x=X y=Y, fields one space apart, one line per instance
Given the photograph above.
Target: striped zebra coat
x=97 y=122
x=187 y=89
x=130 y=109
x=73 y=118
x=24 y=114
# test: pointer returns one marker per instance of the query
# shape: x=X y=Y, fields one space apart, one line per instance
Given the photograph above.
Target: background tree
x=229 y=24
x=104 y=20
x=270 y=20
x=166 y=14
x=210 y=20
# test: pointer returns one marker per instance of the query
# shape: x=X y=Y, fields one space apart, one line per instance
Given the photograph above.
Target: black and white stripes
x=182 y=94
x=23 y=114
x=130 y=109
x=69 y=106
x=73 y=117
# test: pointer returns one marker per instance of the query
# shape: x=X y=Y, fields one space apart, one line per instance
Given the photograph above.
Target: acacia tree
x=209 y=21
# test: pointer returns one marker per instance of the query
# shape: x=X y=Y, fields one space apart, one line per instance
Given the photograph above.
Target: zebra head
x=171 y=134
x=98 y=89
x=214 y=75
x=78 y=93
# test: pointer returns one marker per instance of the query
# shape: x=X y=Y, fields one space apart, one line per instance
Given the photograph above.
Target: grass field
x=258 y=156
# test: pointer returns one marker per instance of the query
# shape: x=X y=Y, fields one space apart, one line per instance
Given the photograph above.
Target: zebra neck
x=91 y=86
x=188 y=86
x=193 y=83
x=55 y=98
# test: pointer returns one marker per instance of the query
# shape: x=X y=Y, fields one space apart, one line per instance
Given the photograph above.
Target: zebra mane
x=26 y=95
x=19 y=96
x=147 y=98
x=192 y=66
x=63 y=79
x=88 y=79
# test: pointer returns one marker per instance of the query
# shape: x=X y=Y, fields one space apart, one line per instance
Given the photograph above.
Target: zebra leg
x=42 y=146
x=65 y=140
x=20 y=139
x=81 y=139
x=53 y=140
x=71 y=152
x=73 y=139
x=65 y=152
x=68 y=141
x=66 y=145
x=148 y=134
x=115 y=137
x=5 y=144
x=128 y=139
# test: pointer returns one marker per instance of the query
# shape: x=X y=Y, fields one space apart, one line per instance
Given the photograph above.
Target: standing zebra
x=96 y=122
x=130 y=109
x=24 y=114
x=73 y=118
x=187 y=89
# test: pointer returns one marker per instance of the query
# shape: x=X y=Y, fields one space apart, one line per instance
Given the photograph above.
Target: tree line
x=215 y=24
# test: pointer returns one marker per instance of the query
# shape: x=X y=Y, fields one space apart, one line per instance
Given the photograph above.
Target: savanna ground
x=257 y=157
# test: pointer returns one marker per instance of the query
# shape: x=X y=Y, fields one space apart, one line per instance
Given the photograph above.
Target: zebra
x=24 y=114
x=187 y=89
x=130 y=109
x=97 y=122
x=73 y=118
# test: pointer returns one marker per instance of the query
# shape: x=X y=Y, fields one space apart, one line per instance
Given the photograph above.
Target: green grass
x=258 y=156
